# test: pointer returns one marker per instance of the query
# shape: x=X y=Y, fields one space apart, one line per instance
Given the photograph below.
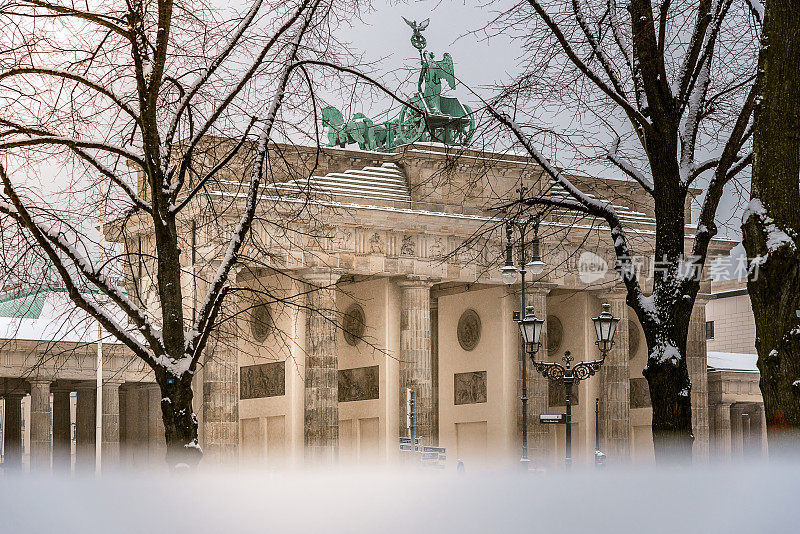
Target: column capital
x=40 y=380
x=321 y=276
x=416 y=281
x=617 y=292
x=540 y=288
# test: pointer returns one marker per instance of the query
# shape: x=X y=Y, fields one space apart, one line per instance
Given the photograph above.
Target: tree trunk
x=666 y=371
x=180 y=425
x=771 y=226
x=667 y=375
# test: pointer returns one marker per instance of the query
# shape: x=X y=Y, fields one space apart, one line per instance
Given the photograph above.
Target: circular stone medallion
x=555 y=334
x=260 y=322
x=469 y=330
x=353 y=324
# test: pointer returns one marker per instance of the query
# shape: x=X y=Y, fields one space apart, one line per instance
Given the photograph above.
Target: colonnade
x=739 y=430
x=129 y=424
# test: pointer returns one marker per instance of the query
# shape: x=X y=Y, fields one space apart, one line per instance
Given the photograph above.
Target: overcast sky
x=479 y=61
x=455 y=27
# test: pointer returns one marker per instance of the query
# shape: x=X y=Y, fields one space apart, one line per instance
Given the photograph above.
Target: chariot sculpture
x=426 y=115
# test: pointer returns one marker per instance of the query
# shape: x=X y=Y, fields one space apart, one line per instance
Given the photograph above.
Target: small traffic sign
x=553 y=418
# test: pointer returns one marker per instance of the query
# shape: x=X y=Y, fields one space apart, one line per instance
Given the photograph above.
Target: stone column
x=12 y=438
x=722 y=431
x=764 y=446
x=737 y=436
x=221 y=392
x=697 y=362
x=615 y=407
x=111 y=425
x=85 y=423
x=62 y=453
x=434 y=371
x=538 y=402
x=415 y=355
x=40 y=424
x=746 y=414
x=321 y=392
x=124 y=443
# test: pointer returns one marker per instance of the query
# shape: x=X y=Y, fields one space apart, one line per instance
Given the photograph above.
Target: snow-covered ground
x=749 y=498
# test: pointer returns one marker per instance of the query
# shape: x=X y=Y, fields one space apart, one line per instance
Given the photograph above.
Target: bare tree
x=157 y=98
x=771 y=223
x=676 y=78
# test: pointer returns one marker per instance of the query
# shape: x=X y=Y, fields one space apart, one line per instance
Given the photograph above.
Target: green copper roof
x=23 y=306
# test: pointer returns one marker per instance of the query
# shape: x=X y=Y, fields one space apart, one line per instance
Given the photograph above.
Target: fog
x=734 y=498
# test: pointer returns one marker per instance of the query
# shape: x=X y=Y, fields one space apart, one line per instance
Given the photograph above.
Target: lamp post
x=605 y=327
x=509 y=272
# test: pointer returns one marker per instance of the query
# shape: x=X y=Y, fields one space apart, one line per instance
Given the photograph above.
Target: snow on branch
x=626 y=167
x=243 y=81
x=604 y=60
x=774 y=237
x=583 y=203
x=195 y=342
x=618 y=98
x=70 y=142
x=58 y=251
x=219 y=166
x=206 y=73
x=757 y=8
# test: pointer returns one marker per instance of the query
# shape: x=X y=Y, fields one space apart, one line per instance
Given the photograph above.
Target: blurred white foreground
x=751 y=498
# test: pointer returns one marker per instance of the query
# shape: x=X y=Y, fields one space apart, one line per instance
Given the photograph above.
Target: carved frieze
x=407 y=248
x=469 y=388
x=262 y=380
x=359 y=383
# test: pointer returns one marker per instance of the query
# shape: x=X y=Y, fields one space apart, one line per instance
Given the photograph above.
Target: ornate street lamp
x=509 y=271
x=510 y=274
x=536 y=265
x=605 y=328
x=530 y=327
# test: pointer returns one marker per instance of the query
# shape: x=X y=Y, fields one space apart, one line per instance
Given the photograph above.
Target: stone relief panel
x=344 y=239
x=639 y=393
x=469 y=388
x=557 y=393
x=354 y=324
x=407 y=247
x=436 y=248
x=468 y=330
x=376 y=245
x=359 y=383
x=262 y=380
